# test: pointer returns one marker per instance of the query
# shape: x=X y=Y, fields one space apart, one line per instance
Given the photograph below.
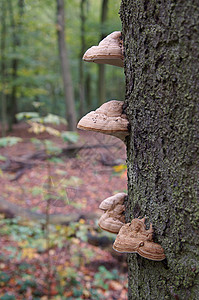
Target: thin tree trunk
x=88 y=90
x=54 y=108
x=65 y=68
x=101 y=68
x=161 y=68
x=81 y=64
x=3 y=69
x=16 y=32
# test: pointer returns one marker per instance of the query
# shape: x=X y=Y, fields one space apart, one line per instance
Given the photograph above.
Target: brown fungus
x=113 y=219
x=134 y=238
x=113 y=200
x=108 y=119
x=109 y=51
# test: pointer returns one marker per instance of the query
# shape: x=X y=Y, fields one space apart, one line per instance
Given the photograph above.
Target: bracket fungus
x=113 y=200
x=134 y=238
x=113 y=219
x=109 y=51
x=108 y=118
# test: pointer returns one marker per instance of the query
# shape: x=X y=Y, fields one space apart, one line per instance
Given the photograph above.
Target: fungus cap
x=109 y=51
x=133 y=238
x=110 y=224
x=146 y=249
x=113 y=200
x=108 y=119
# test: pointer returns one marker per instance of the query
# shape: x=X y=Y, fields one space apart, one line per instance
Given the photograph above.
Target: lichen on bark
x=161 y=70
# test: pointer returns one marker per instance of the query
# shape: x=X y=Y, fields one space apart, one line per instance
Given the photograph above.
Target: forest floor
x=72 y=262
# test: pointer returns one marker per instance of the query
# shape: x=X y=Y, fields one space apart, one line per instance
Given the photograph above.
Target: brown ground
x=79 y=184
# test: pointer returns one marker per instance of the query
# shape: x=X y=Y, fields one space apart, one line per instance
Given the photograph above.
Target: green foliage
x=24 y=266
x=103 y=275
x=56 y=160
x=36 y=142
x=9 y=141
x=3 y=158
x=37 y=190
x=69 y=136
x=27 y=115
x=37 y=126
x=30 y=240
x=8 y=296
x=18 y=231
x=31 y=234
x=96 y=295
x=40 y=100
x=4 y=277
x=53 y=119
x=38 y=77
x=51 y=148
x=77 y=292
x=82 y=234
x=35 y=117
x=24 y=284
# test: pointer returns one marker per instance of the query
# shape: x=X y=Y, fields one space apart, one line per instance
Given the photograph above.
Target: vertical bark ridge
x=161 y=69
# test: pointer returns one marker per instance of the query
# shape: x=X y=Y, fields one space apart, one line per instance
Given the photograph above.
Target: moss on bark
x=161 y=68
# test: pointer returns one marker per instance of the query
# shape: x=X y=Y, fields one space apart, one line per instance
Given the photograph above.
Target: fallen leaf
x=115 y=285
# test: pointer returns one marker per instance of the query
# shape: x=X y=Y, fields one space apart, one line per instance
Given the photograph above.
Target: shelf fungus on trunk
x=113 y=200
x=109 y=51
x=108 y=119
x=113 y=218
x=134 y=238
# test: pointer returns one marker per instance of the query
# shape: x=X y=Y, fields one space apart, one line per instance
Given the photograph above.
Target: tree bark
x=101 y=68
x=161 y=68
x=65 y=68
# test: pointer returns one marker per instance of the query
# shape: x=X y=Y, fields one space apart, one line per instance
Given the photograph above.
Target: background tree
x=16 y=41
x=161 y=67
x=65 y=68
x=30 y=56
x=101 y=68
x=3 y=68
x=82 y=50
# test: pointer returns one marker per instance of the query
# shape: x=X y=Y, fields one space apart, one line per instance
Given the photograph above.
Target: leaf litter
x=78 y=270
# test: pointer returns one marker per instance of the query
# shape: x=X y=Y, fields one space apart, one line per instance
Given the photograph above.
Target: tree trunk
x=65 y=68
x=101 y=68
x=16 y=32
x=3 y=69
x=88 y=91
x=81 y=64
x=161 y=68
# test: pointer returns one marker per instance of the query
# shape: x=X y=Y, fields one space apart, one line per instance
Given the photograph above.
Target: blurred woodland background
x=33 y=41
x=52 y=178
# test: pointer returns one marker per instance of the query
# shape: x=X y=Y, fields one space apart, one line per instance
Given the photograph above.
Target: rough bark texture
x=161 y=68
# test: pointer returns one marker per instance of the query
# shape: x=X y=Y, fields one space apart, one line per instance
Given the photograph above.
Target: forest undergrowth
x=73 y=259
